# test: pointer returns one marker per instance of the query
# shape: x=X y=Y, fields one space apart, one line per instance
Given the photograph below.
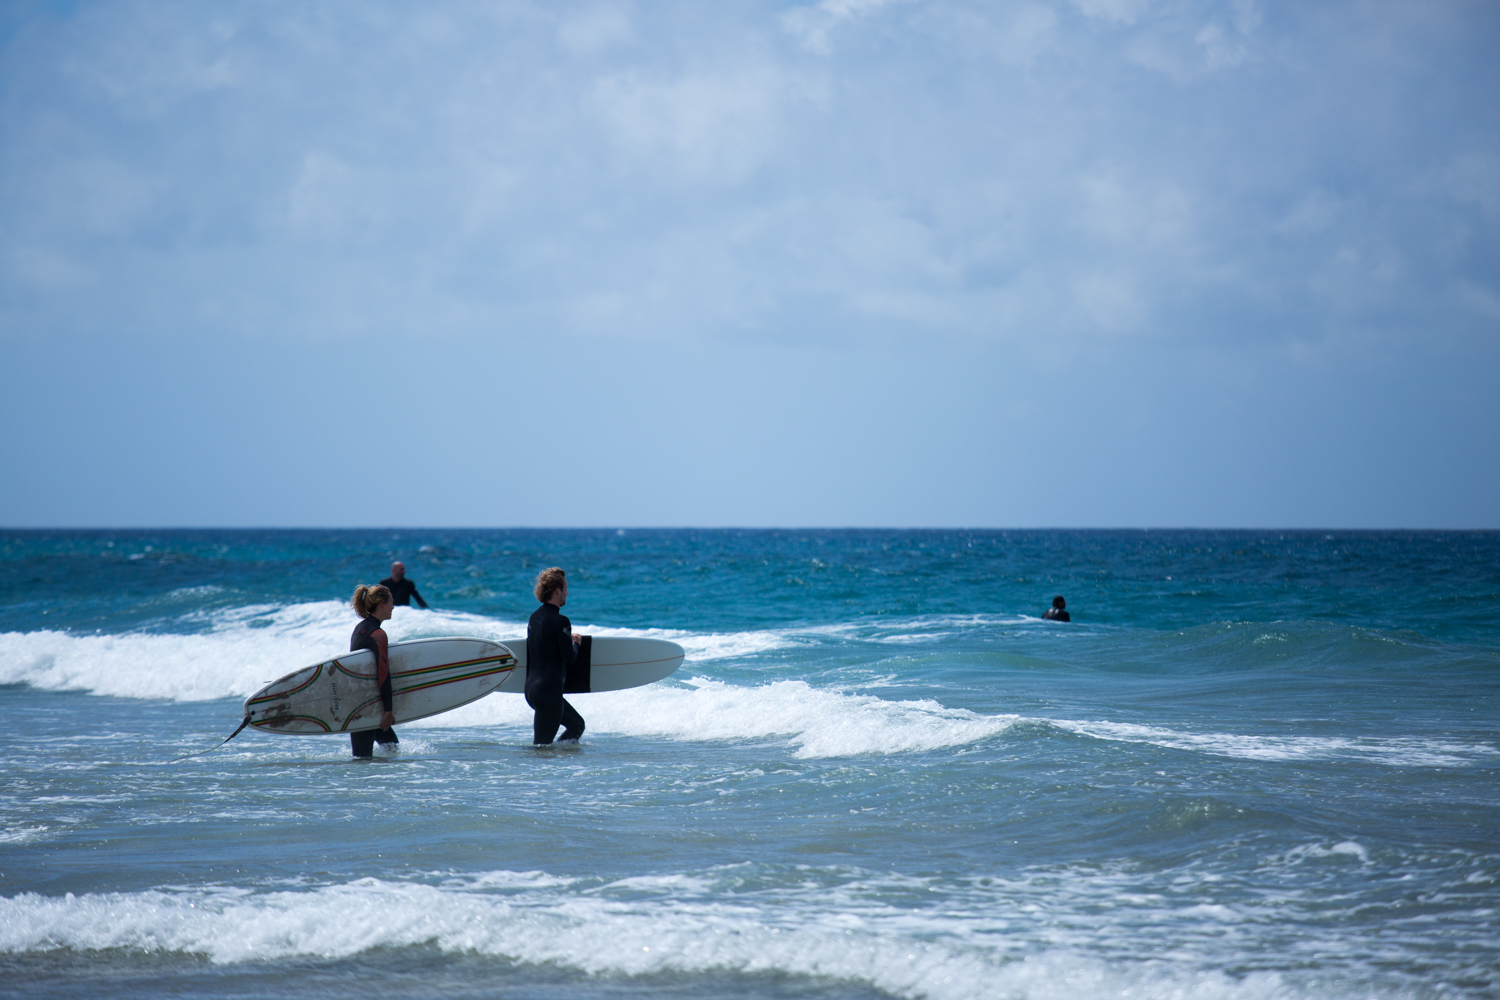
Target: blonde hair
x=367 y=599
x=548 y=582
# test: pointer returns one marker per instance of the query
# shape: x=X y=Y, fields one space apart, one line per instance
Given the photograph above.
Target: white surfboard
x=339 y=695
x=611 y=663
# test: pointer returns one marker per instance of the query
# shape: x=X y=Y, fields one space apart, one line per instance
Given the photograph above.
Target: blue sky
x=855 y=262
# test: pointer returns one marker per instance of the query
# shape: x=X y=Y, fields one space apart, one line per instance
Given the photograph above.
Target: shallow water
x=1255 y=765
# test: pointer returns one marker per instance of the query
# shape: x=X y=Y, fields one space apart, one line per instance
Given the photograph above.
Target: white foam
x=705 y=647
x=699 y=646
x=819 y=722
x=22 y=834
x=1391 y=751
x=239 y=650
x=1351 y=847
x=1304 y=852
x=636 y=926
x=233 y=652
x=921 y=628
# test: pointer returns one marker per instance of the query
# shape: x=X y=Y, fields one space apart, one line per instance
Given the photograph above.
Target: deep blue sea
x=1254 y=765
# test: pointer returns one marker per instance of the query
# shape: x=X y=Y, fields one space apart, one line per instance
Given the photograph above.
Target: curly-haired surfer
x=550 y=647
x=374 y=605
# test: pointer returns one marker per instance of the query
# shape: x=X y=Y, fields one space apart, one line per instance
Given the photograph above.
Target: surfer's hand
x=387 y=720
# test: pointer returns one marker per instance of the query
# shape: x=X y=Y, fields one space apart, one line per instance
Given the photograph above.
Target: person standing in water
x=374 y=605
x=402 y=590
x=1056 y=613
x=551 y=647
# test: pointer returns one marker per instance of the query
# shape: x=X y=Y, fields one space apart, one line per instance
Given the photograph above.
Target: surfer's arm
x=383 y=677
x=418 y=596
x=567 y=646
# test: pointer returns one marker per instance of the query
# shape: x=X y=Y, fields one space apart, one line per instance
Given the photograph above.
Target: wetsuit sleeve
x=382 y=668
x=418 y=596
x=566 y=651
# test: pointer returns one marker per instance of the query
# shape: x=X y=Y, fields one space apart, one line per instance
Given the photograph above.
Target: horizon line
x=729 y=527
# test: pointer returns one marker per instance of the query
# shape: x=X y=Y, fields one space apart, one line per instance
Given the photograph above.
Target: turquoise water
x=1257 y=764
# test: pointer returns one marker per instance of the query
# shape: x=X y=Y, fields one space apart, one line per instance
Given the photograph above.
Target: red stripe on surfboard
x=264 y=723
x=450 y=680
x=428 y=670
x=421 y=687
x=287 y=694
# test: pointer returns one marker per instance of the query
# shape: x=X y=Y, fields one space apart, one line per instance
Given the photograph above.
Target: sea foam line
x=819 y=722
x=231 y=653
x=244 y=648
x=1391 y=751
x=904 y=952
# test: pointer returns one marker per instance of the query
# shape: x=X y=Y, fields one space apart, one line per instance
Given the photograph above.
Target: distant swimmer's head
x=549 y=582
x=368 y=600
x=398 y=570
x=1059 y=603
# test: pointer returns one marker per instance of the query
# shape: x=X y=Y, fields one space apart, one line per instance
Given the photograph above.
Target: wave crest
x=622 y=929
x=819 y=722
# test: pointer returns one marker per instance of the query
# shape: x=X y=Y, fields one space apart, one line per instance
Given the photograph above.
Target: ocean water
x=1255 y=765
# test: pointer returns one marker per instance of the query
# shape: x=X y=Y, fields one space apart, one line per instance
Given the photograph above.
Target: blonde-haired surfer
x=374 y=605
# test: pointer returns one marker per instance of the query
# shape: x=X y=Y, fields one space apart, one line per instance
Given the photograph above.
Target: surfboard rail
x=605 y=663
x=338 y=695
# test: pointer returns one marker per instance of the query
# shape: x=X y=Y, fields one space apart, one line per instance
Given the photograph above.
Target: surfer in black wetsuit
x=1056 y=612
x=550 y=647
x=374 y=606
x=402 y=590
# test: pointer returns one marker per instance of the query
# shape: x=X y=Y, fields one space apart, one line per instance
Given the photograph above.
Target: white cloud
x=1025 y=37
x=1474 y=179
x=1483 y=301
x=42 y=269
x=1115 y=11
x=596 y=29
x=1110 y=301
x=147 y=59
x=979 y=200
x=323 y=199
x=1182 y=40
x=1315 y=212
x=1220 y=48
x=1157 y=217
x=991 y=171
x=709 y=126
x=812 y=25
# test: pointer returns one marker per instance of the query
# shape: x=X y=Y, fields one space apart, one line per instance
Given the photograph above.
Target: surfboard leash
x=245 y=722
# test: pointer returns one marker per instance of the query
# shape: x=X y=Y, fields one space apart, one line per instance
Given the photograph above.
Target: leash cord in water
x=245 y=722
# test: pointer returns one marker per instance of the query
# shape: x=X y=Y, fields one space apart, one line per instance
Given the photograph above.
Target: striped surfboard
x=339 y=695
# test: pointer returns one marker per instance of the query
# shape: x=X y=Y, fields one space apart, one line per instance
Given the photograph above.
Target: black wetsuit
x=549 y=651
x=363 y=742
x=1057 y=615
x=402 y=591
